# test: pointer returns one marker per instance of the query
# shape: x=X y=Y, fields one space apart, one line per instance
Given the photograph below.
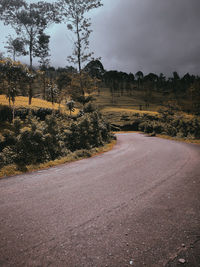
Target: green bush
x=168 y=122
x=5 y=113
x=22 y=113
x=34 y=141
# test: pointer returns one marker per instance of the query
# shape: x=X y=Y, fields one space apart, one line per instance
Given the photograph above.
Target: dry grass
x=12 y=170
x=22 y=101
x=128 y=110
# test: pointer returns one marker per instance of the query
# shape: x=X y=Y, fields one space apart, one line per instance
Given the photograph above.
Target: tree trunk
x=44 y=86
x=31 y=66
x=13 y=112
x=14 y=55
x=79 y=55
x=30 y=93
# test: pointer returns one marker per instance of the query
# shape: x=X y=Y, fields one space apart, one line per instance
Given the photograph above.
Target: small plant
x=71 y=106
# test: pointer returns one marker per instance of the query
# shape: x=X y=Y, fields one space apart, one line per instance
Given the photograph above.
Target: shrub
x=34 y=141
x=88 y=108
x=5 y=113
x=22 y=113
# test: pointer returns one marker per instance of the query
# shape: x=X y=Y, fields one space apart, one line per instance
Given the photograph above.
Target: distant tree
x=131 y=77
x=70 y=69
x=152 y=78
x=74 y=14
x=194 y=96
x=147 y=92
x=161 y=81
x=52 y=91
x=113 y=80
x=175 y=81
x=187 y=80
x=176 y=76
x=41 y=51
x=139 y=75
x=63 y=82
x=95 y=69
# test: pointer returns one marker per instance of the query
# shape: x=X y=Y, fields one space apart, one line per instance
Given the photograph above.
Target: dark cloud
x=151 y=35
x=131 y=35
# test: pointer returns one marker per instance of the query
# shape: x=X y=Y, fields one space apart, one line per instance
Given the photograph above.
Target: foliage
x=41 y=49
x=16 y=47
x=12 y=74
x=95 y=69
x=84 y=81
x=28 y=20
x=168 y=123
x=40 y=113
x=33 y=141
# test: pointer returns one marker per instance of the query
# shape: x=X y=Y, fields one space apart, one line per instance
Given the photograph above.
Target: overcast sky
x=131 y=35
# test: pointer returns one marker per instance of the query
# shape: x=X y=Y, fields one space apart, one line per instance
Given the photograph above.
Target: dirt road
x=137 y=205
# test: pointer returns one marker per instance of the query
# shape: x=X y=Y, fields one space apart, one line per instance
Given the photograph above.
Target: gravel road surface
x=136 y=205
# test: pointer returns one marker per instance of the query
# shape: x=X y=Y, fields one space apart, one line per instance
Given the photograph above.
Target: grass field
x=22 y=101
x=135 y=101
x=127 y=110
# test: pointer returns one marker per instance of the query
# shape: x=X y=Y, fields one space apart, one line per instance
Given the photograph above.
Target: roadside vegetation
x=167 y=122
x=33 y=140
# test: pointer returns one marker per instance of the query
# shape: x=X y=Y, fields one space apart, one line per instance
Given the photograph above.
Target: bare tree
x=74 y=11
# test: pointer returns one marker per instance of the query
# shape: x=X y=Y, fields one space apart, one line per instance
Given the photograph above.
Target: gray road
x=132 y=206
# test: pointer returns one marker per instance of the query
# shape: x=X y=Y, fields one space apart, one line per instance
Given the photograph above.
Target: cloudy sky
x=131 y=35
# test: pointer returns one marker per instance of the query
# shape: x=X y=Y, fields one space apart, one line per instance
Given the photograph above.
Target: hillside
x=22 y=101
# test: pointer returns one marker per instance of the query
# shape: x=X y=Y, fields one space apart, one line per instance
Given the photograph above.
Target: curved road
x=135 y=205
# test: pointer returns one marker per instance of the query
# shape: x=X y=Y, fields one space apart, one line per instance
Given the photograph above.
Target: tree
x=63 y=82
x=152 y=78
x=175 y=82
x=28 y=20
x=11 y=74
x=161 y=81
x=41 y=49
x=139 y=75
x=16 y=47
x=74 y=12
x=52 y=91
x=194 y=96
x=70 y=69
x=70 y=104
x=42 y=52
x=95 y=69
x=147 y=94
